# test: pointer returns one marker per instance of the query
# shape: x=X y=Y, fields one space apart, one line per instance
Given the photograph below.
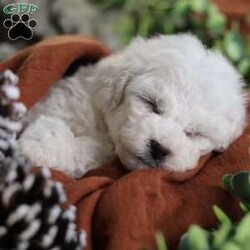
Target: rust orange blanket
x=123 y=210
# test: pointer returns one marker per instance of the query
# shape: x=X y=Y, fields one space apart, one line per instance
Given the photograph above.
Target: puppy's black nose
x=157 y=151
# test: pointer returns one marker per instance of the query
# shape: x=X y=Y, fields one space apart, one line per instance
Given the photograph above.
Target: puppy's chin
x=128 y=160
x=173 y=164
x=176 y=164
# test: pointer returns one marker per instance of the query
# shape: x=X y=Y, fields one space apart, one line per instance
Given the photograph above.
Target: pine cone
x=10 y=112
x=31 y=213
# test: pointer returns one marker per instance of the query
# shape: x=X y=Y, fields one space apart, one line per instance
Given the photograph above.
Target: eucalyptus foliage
x=201 y=17
x=229 y=235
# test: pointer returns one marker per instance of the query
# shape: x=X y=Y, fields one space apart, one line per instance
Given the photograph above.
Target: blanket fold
x=120 y=209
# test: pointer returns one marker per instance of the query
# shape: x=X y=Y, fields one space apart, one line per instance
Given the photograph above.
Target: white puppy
x=161 y=102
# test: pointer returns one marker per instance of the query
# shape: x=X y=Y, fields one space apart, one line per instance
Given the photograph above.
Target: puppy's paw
x=48 y=142
x=39 y=152
x=90 y=153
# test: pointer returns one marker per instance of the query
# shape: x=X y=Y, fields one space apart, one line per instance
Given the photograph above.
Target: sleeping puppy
x=162 y=102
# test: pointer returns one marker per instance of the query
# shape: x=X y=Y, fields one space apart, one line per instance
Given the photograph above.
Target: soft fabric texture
x=41 y=65
x=119 y=209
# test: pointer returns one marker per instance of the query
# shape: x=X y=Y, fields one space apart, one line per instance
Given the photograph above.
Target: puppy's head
x=167 y=101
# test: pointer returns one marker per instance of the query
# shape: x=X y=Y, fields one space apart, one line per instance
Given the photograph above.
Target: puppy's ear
x=111 y=78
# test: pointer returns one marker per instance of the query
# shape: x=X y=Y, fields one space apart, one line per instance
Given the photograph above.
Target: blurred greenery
x=160 y=241
x=229 y=235
x=201 y=17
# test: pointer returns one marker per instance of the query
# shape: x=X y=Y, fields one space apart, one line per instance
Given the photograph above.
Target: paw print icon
x=20 y=26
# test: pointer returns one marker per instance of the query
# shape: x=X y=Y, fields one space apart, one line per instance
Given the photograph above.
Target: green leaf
x=180 y=8
x=198 y=5
x=227 y=182
x=233 y=45
x=221 y=216
x=243 y=230
x=145 y=24
x=241 y=186
x=230 y=246
x=195 y=239
x=212 y=9
x=218 y=46
x=168 y=25
x=216 y=23
x=128 y=26
x=220 y=236
x=160 y=241
x=244 y=66
x=245 y=208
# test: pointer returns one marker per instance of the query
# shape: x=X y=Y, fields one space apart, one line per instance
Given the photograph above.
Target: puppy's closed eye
x=193 y=134
x=152 y=104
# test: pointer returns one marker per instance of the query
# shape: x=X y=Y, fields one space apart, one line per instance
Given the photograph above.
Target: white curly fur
x=169 y=89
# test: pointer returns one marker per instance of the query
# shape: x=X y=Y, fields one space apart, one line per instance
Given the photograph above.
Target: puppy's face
x=157 y=106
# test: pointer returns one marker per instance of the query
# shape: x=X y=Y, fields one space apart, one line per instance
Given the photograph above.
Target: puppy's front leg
x=49 y=142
